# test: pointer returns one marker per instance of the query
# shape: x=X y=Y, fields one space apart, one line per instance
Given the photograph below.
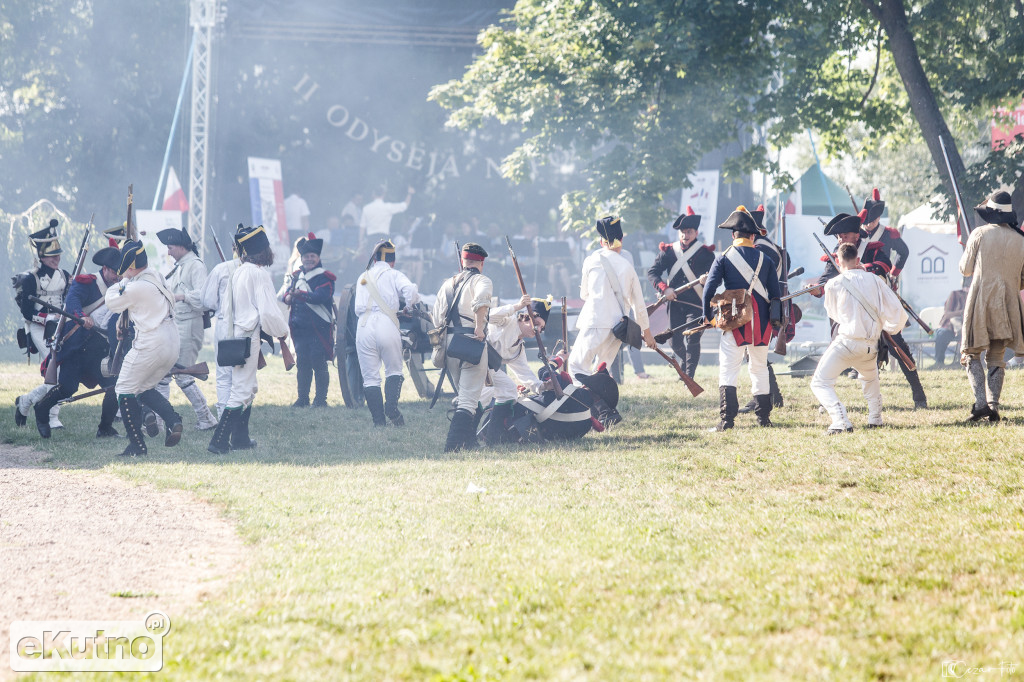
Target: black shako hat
x=687 y=221
x=45 y=240
x=602 y=385
x=118 y=233
x=384 y=250
x=175 y=237
x=132 y=255
x=252 y=240
x=108 y=257
x=998 y=208
x=740 y=220
x=542 y=307
x=610 y=229
x=309 y=244
x=874 y=207
x=842 y=224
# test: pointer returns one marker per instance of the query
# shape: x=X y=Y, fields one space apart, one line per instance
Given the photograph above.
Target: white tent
x=933 y=268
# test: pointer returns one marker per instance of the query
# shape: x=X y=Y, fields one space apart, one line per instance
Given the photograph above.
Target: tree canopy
x=640 y=91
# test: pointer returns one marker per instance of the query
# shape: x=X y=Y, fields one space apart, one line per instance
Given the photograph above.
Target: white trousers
x=243 y=377
x=36 y=394
x=842 y=353
x=36 y=331
x=730 y=359
x=378 y=340
x=470 y=380
x=502 y=388
x=223 y=373
x=190 y=342
x=150 y=359
x=592 y=347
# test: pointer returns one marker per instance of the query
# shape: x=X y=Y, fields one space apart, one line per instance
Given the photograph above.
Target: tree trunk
x=893 y=17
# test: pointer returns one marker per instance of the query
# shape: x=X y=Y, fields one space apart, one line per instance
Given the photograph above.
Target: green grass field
x=655 y=551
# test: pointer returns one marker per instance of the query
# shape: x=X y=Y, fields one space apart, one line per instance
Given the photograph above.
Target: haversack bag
x=232 y=352
x=629 y=332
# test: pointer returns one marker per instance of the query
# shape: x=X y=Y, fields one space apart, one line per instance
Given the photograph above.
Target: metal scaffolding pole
x=203 y=16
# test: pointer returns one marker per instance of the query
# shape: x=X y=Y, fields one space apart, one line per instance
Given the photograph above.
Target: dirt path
x=70 y=541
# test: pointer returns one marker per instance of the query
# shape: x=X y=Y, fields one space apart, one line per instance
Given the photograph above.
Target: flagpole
x=174 y=123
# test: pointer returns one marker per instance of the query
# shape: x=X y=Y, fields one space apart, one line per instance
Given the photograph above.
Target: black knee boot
x=106 y=428
x=728 y=407
x=172 y=420
x=220 y=443
x=392 y=391
x=916 y=389
x=239 y=439
x=763 y=409
x=323 y=382
x=497 y=427
x=462 y=422
x=304 y=376
x=42 y=410
x=131 y=415
x=773 y=388
x=375 y=403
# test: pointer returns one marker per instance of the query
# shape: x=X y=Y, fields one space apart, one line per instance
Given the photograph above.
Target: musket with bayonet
x=66 y=315
x=50 y=377
x=216 y=243
x=907 y=361
x=780 y=340
x=962 y=221
x=662 y=300
x=565 y=326
x=852 y=200
x=530 y=316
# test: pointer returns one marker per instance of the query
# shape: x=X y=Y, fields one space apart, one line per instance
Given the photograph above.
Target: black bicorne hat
x=132 y=255
x=45 y=240
x=842 y=224
x=542 y=307
x=108 y=257
x=874 y=207
x=687 y=221
x=740 y=220
x=175 y=237
x=998 y=208
x=252 y=240
x=602 y=385
x=118 y=233
x=610 y=229
x=309 y=244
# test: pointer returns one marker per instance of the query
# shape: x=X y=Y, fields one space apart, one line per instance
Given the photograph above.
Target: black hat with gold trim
x=610 y=229
x=998 y=208
x=542 y=307
x=118 y=233
x=740 y=220
x=383 y=251
x=45 y=240
x=252 y=240
x=309 y=244
x=132 y=255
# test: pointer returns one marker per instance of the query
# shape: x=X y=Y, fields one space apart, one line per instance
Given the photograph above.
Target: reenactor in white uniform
x=49 y=283
x=143 y=295
x=213 y=299
x=250 y=307
x=378 y=336
x=462 y=305
x=186 y=280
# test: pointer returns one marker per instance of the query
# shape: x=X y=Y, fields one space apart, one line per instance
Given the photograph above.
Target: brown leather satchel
x=735 y=309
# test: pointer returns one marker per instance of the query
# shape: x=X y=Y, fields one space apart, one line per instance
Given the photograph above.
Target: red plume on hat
x=873 y=207
x=112 y=243
x=863 y=215
x=310 y=235
x=689 y=210
x=875 y=195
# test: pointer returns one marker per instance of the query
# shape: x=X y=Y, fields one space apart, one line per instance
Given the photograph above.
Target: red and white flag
x=174 y=195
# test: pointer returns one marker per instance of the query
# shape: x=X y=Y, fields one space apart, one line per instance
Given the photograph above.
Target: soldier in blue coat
x=743 y=266
x=84 y=348
x=309 y=291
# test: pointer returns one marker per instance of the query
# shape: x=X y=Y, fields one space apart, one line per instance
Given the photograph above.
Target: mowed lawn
x=655 y=551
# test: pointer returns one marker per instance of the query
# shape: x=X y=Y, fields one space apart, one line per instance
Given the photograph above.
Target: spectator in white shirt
x=375 y=223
